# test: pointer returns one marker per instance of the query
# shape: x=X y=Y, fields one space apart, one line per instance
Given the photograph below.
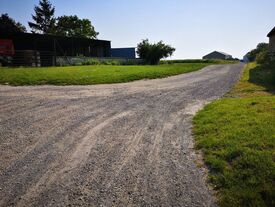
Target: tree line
x=45 y=22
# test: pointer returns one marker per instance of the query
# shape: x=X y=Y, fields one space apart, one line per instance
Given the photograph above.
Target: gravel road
x=107 y=145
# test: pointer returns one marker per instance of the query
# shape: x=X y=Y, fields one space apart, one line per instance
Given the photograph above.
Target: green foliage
x=72 y=26
x=69 y=26
x=261 y=47
x=81 y=60
x=262 y=57
x=96 y=74
x=236 y=135
x=152 y=53
x=110 y=62
x=8 y=24
x=91 y=62
x=44 y=21
x=98 y=62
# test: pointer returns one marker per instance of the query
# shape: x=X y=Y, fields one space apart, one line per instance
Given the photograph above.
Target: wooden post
x=54 y=53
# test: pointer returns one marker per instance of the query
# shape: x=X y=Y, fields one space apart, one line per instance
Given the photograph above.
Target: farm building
x=218 y=55
x=36 y=49
x=271 y=36
x=128 y=53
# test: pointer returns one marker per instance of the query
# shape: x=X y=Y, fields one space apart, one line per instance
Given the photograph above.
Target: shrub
x=262 y=57
x=98 y=62
x=152 y=53
x=93 y=62
x=252 y=55
x=110 y=62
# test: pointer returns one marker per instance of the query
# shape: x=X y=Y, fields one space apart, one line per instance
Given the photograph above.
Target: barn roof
x=272 y=32
x=223 y=53
x=47 y=36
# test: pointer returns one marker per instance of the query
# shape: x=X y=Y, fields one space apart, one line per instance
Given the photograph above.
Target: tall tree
x=72 y=26
x=8 y=24
x=44 y=21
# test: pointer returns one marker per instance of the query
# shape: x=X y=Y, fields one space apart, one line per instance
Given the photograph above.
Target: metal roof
x=49 y=36
x=272 y=32
x=223 y=53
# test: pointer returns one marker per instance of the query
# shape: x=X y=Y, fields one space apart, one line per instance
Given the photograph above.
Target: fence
x=33 y=58
x=82 y=60
x=29 y=58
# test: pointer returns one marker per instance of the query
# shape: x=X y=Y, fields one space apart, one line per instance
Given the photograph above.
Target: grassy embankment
x=95 y=74
x=237 y=137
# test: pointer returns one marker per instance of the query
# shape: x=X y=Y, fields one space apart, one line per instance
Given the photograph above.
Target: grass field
x=96 y=74
x=237 y=137
x=199 y=61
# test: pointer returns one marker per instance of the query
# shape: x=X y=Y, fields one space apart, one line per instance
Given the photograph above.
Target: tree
x=152 y=53
x=8 y=24
x=72 y=26
x=44 y=21
x=261 y=48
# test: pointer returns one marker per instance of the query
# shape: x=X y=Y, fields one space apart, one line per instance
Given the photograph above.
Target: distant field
x=237 y=137
x=94 y=74
x=199 y=61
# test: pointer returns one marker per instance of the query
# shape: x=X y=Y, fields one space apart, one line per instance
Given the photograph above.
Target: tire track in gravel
x=74 y=160
x=107 y=145
x=51 y=116
x=51 y=175
x=40 y=149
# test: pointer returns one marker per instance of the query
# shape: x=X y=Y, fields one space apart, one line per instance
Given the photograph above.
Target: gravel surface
x=107 y=145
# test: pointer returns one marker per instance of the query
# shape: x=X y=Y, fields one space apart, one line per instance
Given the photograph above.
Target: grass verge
x=97 y=74
x=237 y=137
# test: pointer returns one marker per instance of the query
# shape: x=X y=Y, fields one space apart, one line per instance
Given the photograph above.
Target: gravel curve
x=124 y=144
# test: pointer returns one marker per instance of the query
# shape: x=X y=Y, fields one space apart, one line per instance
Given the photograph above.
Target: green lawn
x=97 y=74
x=237 y=137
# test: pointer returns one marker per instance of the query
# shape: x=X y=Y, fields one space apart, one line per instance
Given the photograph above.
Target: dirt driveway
x=106 y=145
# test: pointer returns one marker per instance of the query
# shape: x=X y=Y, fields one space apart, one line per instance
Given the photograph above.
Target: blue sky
x=193 y=27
